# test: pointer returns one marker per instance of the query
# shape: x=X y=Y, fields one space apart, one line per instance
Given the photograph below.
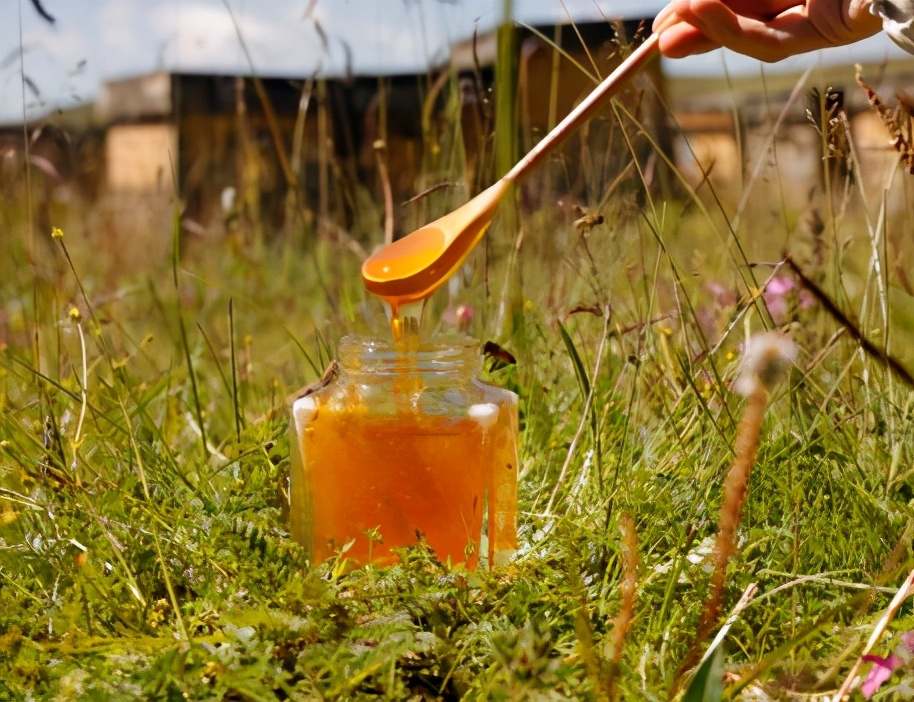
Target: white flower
x=897 y=21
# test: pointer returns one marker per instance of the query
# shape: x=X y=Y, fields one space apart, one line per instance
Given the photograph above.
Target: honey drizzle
x=405 y=329
x=405 y=322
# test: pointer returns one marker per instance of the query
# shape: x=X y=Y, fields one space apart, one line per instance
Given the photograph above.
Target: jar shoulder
x=453 y=398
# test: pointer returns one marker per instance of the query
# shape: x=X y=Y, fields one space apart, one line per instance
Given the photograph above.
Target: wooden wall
x=141 y=157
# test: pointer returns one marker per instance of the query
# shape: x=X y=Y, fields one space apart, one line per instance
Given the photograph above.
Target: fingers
x=679 y=39
x=788 y=34
x=683 y=40
x=663 y=18
x=706 y=24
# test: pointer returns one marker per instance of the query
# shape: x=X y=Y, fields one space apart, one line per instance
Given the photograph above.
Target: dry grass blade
x=853 y=329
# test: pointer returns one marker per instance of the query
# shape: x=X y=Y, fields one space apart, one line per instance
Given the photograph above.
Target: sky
x=96 y=40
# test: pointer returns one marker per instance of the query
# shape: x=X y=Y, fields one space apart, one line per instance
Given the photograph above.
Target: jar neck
x=449 y=360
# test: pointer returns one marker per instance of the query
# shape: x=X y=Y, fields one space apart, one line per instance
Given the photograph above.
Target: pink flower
x=884 y=667
x=460 y=316
x=778 y=294
x=880 y=672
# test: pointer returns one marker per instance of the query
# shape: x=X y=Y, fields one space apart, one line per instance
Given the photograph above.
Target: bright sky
x=97 y=40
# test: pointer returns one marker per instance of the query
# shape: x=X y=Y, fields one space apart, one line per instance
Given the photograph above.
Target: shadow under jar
x=406 y=446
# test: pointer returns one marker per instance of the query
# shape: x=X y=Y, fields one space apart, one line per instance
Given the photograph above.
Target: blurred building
x=736 y=130
x=203 y=135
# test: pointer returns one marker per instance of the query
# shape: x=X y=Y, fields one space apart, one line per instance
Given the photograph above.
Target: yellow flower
x=56 y=233
x=75 y=315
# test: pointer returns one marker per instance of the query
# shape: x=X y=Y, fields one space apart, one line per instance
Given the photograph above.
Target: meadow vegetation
x=144 y=453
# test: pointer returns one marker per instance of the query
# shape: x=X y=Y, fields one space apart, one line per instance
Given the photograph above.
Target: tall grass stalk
x=768 y=357
x=628 y=590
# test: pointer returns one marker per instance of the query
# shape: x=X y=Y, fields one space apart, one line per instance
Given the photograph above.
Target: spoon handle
x=605 y=90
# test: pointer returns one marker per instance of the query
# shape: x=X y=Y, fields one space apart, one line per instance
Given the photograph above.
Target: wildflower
x=460 y=316
x=211 y=670
x=75 y=315
x=780 y=292
x=56 y=233
x=767 y=358
x=880 y=672
x=156 y=615
x=884 y=667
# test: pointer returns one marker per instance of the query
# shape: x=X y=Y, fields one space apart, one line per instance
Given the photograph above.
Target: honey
x=378 y=501
x=405 y=447
x=404 y=318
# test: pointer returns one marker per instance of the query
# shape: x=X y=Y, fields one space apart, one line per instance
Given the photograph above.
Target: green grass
x=143 y=451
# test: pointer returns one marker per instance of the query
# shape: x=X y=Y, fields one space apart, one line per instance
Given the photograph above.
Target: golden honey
x=405 y=447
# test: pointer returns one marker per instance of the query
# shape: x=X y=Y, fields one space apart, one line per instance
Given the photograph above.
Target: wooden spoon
x=412 y=268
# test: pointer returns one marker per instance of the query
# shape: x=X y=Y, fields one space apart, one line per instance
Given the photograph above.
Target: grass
x=143 y=452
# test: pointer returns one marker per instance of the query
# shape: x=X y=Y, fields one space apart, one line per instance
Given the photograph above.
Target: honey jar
x=403 y=446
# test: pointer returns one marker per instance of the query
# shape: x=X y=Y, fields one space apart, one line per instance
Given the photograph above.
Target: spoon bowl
x=411 y=268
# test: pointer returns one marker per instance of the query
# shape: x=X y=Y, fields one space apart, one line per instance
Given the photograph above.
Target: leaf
x=708 y=683
x=576 y=361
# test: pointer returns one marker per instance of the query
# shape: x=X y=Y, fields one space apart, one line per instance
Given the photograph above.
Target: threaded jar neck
x=446 y=358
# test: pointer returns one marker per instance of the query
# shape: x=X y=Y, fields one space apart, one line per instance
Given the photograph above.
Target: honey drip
x=405 y=319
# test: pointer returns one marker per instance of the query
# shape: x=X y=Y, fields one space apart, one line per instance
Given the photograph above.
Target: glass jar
x=405 y=446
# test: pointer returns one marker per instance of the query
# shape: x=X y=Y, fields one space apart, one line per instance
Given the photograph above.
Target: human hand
x=769 y=30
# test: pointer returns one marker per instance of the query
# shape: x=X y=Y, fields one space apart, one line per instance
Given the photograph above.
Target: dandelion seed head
x=767 y=358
